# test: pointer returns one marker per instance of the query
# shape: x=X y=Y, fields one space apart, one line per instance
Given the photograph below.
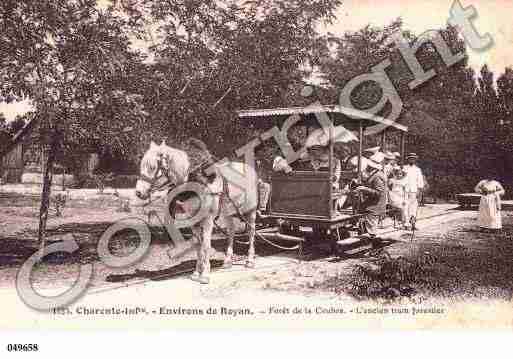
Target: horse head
x=161 y=161
x=151 y=169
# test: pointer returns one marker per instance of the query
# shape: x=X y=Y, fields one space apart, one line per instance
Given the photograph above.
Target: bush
x=83 y=181
x=390 y=278
x=448 y=186
x=100 y=181
x=124 y=181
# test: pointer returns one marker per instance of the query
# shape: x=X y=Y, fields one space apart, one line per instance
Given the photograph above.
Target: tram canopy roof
x=347 y=117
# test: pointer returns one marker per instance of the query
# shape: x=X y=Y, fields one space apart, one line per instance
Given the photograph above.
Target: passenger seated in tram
x=316 y=158
x=371 y=159
x=370 y=194
x=317 y=154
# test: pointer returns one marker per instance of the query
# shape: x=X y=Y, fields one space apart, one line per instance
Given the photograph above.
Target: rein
x=153 y=181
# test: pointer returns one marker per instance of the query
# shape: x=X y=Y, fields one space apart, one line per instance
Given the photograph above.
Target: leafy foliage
x=93 y=82
x=214 y=57
x=454 y=118
x=73 y=60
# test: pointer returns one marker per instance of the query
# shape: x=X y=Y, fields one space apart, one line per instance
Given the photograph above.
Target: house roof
x=19 y=136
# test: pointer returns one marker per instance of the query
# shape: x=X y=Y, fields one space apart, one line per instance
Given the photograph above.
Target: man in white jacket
x=414 y=187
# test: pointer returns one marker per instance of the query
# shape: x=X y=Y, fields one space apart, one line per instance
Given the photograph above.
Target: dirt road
x=470 y=270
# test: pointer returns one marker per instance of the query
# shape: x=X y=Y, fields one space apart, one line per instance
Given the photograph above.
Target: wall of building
x=11 y=167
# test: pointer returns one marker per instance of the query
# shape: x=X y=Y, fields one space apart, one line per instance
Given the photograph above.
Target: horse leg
x=251 y=218
x=206 y=238
x=196 y=233
x=230 y=228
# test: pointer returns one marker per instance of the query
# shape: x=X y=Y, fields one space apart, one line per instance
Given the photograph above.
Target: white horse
x=231 y=190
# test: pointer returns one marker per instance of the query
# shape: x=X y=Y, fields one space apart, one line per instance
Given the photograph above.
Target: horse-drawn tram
x=318 y=203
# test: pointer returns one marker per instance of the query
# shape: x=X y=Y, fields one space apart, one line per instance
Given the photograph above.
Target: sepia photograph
x=258 y=165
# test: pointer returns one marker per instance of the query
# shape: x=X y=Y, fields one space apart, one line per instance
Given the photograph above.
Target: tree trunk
x=49 y=159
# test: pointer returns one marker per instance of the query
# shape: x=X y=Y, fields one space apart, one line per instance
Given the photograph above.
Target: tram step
x=357 y=250
x=351 y=240
x=354 y=245
x=280 y=236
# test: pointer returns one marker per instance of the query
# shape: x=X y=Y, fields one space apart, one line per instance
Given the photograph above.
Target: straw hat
x=378 y=157
x=354 y=162
x=321 y=137
x=365 y=163
x=412 y=155
x=389 y=155
x=371 y=150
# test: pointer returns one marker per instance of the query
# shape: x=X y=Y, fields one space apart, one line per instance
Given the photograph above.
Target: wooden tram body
x=303 y=200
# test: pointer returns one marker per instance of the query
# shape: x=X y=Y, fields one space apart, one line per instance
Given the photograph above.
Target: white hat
x=365 y=163
x=354 y=162
x=280 y=164
x=396 y=154
x=372 y=149
x=321 y=136
x=378 y=157
x=389 y=155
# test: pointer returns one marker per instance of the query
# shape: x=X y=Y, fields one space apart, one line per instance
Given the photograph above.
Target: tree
x=4 y=132
x=17 y=124
x=486 y=120
x=215 y=57
x=74 y=60
x=437 y=112
x=71 y=58
x=505 y=128
x=505 y=91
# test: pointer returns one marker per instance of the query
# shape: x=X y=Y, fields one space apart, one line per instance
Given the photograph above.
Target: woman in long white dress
x=490 y=206
x=397 y=193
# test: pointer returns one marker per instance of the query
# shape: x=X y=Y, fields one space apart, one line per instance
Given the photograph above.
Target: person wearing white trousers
x=414 y=187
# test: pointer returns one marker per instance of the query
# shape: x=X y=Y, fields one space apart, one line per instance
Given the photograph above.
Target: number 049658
x=22 y=347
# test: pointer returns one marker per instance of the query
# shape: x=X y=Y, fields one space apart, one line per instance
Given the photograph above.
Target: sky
x=494 y=17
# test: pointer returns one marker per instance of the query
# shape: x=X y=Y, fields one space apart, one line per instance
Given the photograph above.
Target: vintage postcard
x=267 y=164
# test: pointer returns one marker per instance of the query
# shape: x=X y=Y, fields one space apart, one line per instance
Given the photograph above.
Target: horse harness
x=153 y=181
x=164 y=172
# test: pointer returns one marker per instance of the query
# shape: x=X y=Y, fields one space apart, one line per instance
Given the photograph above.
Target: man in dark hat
x=413 y=189
x=374 y=193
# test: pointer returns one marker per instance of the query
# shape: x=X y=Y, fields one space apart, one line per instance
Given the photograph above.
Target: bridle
x=171 y=175
x=153 y=182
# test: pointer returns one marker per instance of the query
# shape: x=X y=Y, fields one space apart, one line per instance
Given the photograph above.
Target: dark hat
x=412 y=155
